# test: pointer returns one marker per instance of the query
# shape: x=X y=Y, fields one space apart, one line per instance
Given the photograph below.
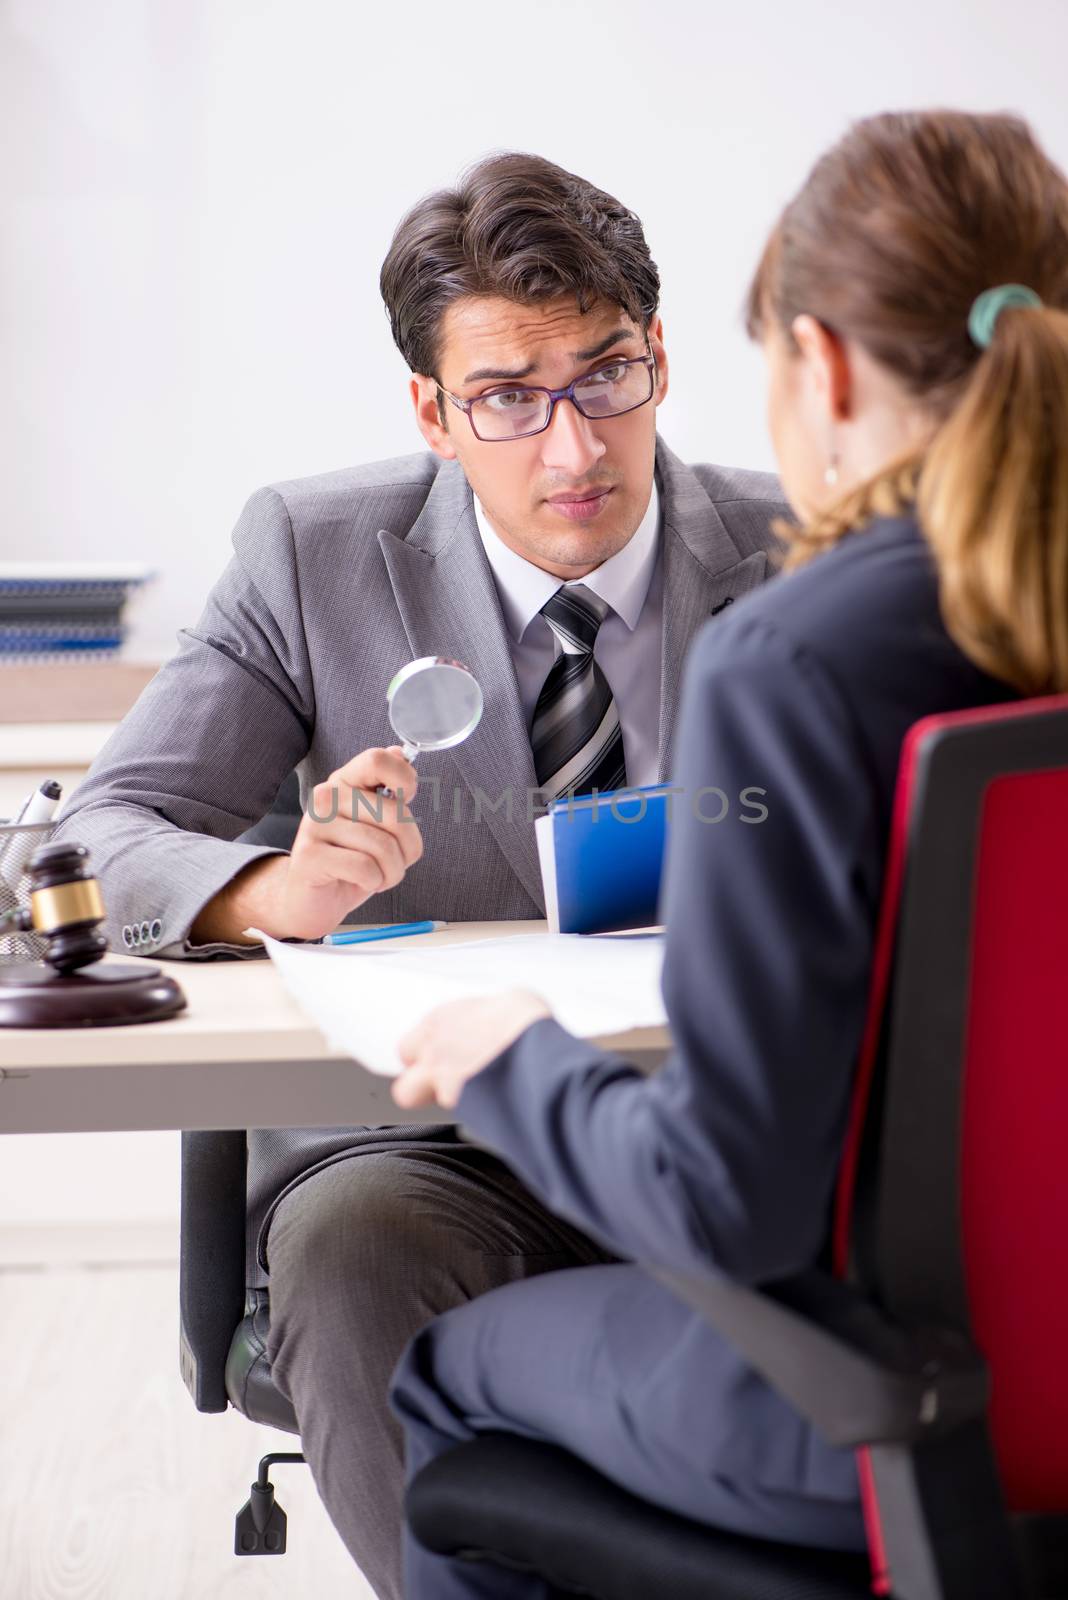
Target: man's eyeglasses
x=518 y=411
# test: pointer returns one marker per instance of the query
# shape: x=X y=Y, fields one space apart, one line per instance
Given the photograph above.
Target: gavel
x=66 y=910
x=66 y=907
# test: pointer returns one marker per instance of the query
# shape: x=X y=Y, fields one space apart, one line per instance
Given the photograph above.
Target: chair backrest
x=953 y=1200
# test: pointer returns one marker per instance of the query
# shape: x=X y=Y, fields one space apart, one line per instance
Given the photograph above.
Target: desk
x=241 y=1042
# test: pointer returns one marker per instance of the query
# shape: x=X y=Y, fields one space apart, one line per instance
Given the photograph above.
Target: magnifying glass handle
x=409 y=751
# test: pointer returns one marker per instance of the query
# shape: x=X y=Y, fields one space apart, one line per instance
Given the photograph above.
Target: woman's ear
x=826 y=364
x=428 y=414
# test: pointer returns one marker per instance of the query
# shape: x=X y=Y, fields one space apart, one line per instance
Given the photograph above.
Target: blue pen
x=365 y=935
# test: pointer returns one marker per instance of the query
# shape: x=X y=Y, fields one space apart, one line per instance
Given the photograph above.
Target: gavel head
x=65 y=906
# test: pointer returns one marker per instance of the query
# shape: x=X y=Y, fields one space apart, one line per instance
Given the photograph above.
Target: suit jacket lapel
x=703 y=571
x=448 y=604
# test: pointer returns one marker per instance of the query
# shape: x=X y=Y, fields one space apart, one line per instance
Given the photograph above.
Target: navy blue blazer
x=728 y=1156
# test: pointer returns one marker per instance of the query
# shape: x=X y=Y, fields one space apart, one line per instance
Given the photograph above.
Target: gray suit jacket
x=335 y=582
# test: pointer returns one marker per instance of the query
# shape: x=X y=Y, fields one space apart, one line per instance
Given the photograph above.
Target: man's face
x=571 y=496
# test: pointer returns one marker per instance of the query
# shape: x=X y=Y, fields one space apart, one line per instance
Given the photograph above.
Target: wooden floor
x=112 y=1487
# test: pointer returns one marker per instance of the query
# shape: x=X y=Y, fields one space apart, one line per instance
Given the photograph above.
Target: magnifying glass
x=433 y=703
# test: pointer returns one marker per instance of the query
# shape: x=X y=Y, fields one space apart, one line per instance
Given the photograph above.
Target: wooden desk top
x=237 y=1011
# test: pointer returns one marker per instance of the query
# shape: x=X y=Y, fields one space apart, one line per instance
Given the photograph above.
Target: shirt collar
x=623 y=580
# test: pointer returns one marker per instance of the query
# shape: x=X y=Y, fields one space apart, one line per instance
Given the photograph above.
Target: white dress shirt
x=628 y=641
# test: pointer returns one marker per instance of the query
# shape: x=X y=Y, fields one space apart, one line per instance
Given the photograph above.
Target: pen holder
x=18 y=841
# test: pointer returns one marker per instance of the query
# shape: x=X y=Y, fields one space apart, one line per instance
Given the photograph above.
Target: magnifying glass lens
x=434 y=703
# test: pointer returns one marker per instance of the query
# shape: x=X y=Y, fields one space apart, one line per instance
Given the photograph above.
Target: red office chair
x=939 y=1346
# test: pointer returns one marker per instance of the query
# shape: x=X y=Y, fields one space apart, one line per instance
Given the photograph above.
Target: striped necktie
x=575 y=735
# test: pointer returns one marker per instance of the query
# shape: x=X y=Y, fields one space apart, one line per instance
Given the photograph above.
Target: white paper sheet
x=365 y=997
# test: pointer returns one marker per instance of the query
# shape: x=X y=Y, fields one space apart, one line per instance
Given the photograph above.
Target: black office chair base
x=260 y=1525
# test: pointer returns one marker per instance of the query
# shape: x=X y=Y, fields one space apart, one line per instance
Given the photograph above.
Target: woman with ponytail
x=912 y=304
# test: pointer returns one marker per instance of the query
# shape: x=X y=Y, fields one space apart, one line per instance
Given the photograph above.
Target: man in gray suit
x=552 y=542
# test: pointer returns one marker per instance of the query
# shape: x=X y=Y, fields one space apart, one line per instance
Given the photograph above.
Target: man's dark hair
x=519 y=227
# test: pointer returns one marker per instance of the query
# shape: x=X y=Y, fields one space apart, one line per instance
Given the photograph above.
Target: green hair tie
x=988 y=306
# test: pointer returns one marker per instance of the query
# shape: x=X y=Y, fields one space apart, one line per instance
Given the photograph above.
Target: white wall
x=198 y=194
x=198 y=197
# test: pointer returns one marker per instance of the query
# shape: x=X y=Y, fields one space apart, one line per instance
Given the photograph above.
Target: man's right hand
x=364 y=844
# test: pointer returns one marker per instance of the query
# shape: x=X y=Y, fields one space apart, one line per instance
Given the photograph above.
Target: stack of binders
x=59 y=611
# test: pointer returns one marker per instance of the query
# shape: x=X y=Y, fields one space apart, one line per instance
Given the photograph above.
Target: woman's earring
x=830 y=472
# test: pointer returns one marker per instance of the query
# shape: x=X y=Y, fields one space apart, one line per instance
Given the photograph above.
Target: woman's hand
x=456 y=1040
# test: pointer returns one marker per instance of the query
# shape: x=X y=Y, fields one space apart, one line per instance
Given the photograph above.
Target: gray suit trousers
x=362 y=1255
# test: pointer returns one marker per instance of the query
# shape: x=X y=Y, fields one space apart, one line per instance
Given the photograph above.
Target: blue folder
x=601 y=858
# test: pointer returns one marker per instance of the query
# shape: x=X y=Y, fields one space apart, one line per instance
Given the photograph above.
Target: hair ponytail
x=992 y=499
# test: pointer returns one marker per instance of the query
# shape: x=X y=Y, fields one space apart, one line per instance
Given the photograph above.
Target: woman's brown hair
x=895 y=233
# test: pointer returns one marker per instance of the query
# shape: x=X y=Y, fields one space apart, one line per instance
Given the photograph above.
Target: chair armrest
x=212 y=1260
x=839 y=1361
